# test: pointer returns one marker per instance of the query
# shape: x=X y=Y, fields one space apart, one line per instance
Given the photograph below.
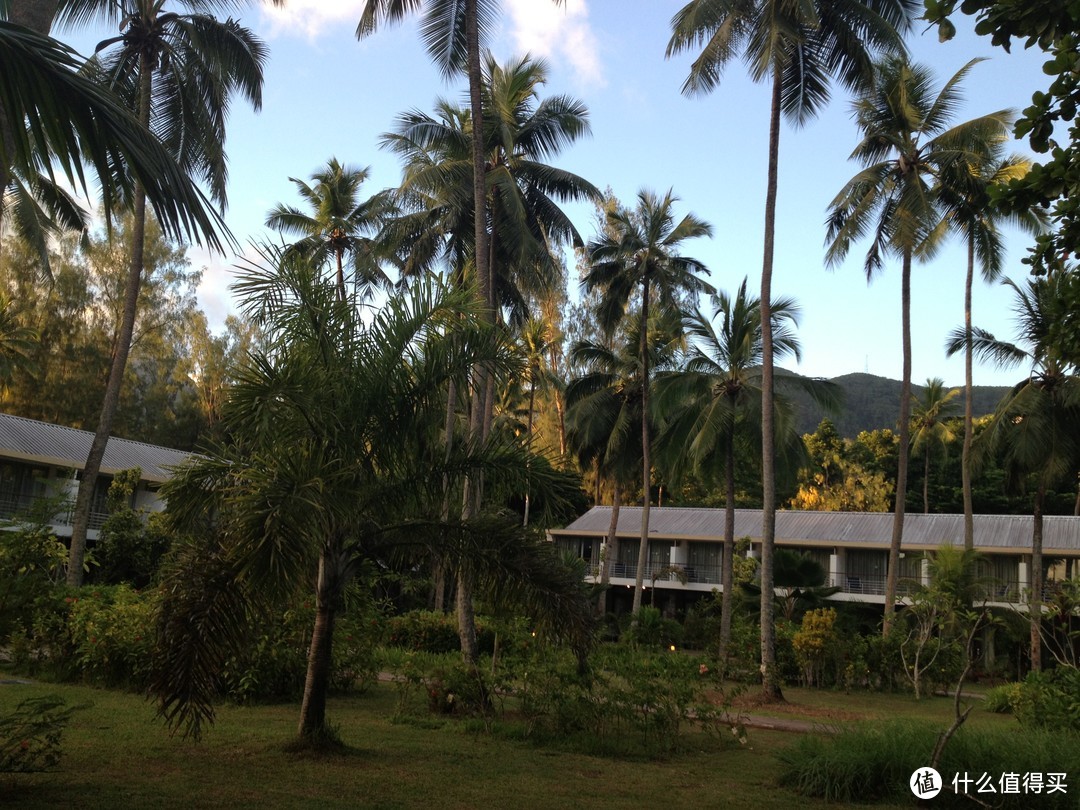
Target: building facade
x=41 y=463
x=686 y=549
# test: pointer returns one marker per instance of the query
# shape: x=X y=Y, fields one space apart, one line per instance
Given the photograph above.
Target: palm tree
x=39 y=209
x=965 y=193
x=523 y=206
x=525 y=191
x=907 y=144
x=714 y=405
x=798 y=48
x=334 y=459
x=453 y=31
x=605 y=406
x=1035 y=425
x=75 y=121
x=929 y=429
x=641 y=250
x=177 y=71
x=338 y=224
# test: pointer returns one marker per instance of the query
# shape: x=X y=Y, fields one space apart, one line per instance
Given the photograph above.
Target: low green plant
x=874 y=763
x=1049 y=700
x=1001 y=699
x=30 y=735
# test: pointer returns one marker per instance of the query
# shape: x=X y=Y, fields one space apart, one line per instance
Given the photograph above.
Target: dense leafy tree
x=76 y=317
x=798 y=48
x=907 y=141
x=335 y=457
x=1053 y=184
x=639 y=255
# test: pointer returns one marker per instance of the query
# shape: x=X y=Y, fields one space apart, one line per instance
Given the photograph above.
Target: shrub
x=274 y=665
x=874 y=763
x=30 y=735
x=434 y=632
x=1001 y=699
x=1049 y=700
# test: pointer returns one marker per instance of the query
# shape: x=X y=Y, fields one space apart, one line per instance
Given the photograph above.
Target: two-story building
x=686 y=549
x=40 y=465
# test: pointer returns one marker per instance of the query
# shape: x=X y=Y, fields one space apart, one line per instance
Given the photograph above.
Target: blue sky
x=328 y=95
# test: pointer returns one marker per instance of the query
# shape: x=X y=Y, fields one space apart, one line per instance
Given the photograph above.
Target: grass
x=116 y=754
x=828 y=707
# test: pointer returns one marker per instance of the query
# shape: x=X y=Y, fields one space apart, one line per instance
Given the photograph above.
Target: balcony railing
x=668 y=575
x=20 y=506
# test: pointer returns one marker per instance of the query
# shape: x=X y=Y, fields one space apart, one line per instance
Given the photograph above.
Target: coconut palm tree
x=908 y=142
x=638 y=260
x=965 y=194
x=525 y=190
x=799 y=48
x=929 y=431
x=334 y=458
x=177 y=72
x=39 y=209
x=1035 y=425
x=338 y=225
x=75 y=121
x=524 y=195
x=605 y=406
x=713 y=405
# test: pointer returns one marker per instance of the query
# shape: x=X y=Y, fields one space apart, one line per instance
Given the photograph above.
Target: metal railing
x=20 y=506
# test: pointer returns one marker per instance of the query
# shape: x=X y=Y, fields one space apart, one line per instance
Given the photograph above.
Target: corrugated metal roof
x=44 y=443
x=992 y=532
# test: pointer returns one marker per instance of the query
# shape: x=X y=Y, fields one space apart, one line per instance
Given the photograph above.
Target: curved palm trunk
x=320 y=653
x=904 y=429
x=770 y=682
x=969 y=420
x=727 y=561
x=84 y=500
x=1035 y=601
x=646 y=465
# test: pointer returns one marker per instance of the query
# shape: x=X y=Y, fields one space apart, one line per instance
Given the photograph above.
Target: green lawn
x=117 y=755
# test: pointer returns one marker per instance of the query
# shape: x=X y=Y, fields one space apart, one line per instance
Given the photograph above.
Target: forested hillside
x=872 y=402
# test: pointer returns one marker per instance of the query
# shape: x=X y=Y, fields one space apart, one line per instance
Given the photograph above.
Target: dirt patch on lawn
x=754 y=704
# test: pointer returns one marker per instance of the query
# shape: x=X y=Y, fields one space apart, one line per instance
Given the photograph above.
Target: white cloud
x=311 y=17
x=542 y=28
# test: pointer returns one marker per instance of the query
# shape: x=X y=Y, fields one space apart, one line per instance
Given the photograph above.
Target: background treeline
x=178 y=367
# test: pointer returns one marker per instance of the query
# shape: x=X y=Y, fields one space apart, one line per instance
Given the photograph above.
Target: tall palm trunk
x=610 y=541
x=340 y=275
x=320 y=653
x=969 y=420
x=84 y=500
x=471 y=504
x=926 y=481
x=532 y=406
x=904 y=428
x=1035 y=600
x=770 y=682
x=646 y=463
x=727 y=561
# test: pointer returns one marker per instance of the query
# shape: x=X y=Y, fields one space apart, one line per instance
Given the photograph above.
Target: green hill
x=872 y=402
